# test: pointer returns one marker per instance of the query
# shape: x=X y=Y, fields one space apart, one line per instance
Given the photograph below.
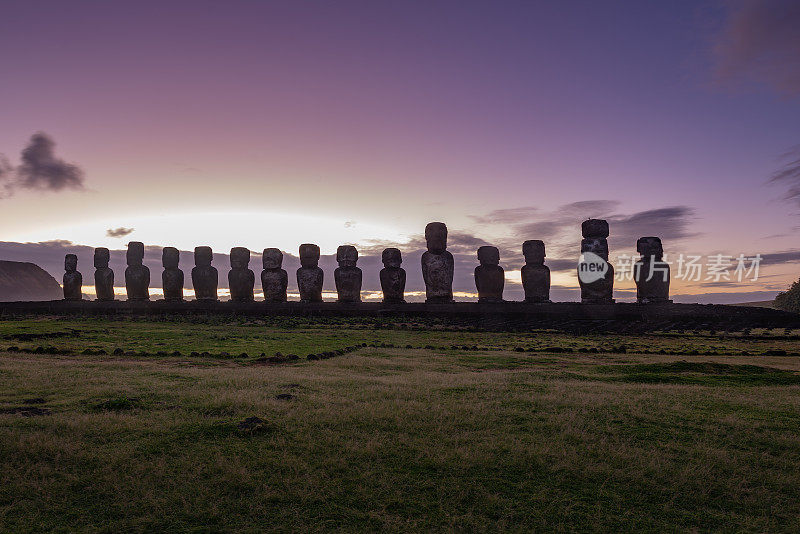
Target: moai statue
x=489 y=276
x=241 y=279
x=73 y=280
x=437 y=265
x=274 y=280
x=595 y=274
x=535 y=274
x=347 y=276
x=205 y=278
x=171 y=277
x=137 y=275
x=103 y=276
x=393 y=277
x=651 y=272
x=309 y=275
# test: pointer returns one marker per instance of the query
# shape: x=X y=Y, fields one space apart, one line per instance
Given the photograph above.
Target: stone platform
x=502 y=315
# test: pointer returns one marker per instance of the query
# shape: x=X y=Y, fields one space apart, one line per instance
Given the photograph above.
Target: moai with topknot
x=73 y=280
x=172 y=276
x=205 y=277
x=595 y=274
x=274 y=280
x=489 y=276
x=393 y=277
x=437 y=265
x=347 y=276
x=241 y=279
x=137 y=275
x=309 y=275
x=651 y=272
x=103 y=275
x=535 y=274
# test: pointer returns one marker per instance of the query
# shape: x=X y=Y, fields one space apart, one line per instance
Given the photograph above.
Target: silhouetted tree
x=789 y=300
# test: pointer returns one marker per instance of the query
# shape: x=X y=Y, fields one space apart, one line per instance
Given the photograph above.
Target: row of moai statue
x=437 y=271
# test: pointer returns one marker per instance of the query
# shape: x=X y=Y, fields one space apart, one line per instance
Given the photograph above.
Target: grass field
x=480 y=431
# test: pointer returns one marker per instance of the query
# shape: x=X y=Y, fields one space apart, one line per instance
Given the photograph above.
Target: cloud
x=119 y=232
x=759 y=42
x=41 y=169
x=776 y=258
x=789 y=175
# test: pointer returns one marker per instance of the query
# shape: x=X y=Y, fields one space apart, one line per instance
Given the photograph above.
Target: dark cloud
x=670 y=224
x=41 y=169
x=789 y=176
x=760 y=42
x=119 y=232
x=776 y=258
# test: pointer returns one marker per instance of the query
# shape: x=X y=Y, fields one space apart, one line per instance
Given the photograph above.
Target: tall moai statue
x=137 y=275
x=73 y=280
x=274 y=280
x=393 y=277
x=595 y=274
x=347 y=276
x=309 y=275
x=437 y=265
x=103 y=275
x=489 y=276
x=241 y=279
x=535 y=274
x=172 y=276
x=651 y=272
x=205 y=277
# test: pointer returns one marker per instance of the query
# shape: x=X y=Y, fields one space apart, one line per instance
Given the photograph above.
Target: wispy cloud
x=760 y=42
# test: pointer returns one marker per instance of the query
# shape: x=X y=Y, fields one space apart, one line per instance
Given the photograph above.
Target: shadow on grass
x=699 y=373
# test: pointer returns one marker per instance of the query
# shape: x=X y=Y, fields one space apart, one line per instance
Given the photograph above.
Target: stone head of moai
x=170 y=257
x=347 y=256
x=101 y=258
x=309 y=255
x=488 y=255
x=650 y=247
x=392 y=258
x=436 y=237
x=70 y=263
x=203 y=256
x=240 y=258
x=135 y=254
x=594 y=228
x=595 y=245
x=533 y=250
x=272 y=258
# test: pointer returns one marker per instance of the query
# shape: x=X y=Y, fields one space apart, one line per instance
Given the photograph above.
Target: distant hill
x=27 y=281
x=759 y=304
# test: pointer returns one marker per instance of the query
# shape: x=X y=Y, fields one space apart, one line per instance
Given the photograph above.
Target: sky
x=271 y=124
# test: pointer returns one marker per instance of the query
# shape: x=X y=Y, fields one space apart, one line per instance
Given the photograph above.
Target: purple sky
x=276 y=123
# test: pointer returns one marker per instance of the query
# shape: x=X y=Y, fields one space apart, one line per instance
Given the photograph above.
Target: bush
x=789 y=300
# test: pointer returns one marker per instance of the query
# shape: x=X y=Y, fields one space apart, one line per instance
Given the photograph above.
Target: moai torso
x=137 y=275
x=103 y=276
x=437 y=264
x=171 y=277
x=489 y=276
x=650 y=272
x=597 y=286
x=347 y=276
x=309 y=275
x=205 y=277
x=241 y=279
x=274 y=280
x=535 y=274
x=393 y=277
x=73 y=280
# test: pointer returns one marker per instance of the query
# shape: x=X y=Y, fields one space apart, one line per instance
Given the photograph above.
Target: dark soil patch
x=26 y=411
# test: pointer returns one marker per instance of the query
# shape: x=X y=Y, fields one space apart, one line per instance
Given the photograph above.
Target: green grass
x=389 y=438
